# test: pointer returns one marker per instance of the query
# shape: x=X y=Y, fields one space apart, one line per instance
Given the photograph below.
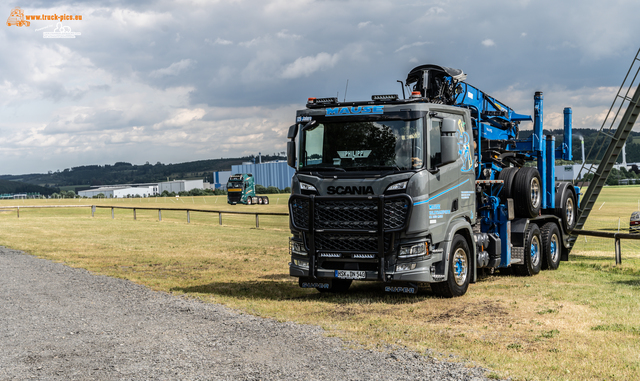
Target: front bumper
x=423 y=272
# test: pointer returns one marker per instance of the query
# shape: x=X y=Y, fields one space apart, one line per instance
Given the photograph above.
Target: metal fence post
x=112 y=214
x=93 y=210
x=618 y=252
x=188 y=217
x=220 y=218
x=134 y=214
x=159 y=214
x=18 y=212
x=257 y=221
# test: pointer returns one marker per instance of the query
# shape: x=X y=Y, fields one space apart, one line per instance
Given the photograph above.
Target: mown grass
x=579 y=322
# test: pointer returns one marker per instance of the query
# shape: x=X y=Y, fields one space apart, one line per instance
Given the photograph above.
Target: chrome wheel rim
x=535 y=192
x=535 y=251
x=460 y=266
x=569 y=211
x=555 y=248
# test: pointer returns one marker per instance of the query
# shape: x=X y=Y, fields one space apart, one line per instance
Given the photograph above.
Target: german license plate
x=350 y=274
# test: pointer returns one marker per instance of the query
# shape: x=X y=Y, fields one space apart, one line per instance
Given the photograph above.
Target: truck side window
x=434 y=142
x=314 y=146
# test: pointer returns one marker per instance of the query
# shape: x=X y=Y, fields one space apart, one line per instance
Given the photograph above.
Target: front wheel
x=249 y=200
x=459 y=270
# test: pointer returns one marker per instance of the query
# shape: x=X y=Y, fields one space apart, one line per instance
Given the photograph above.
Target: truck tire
x=265 y=200
x=338 y=286
x=507 y=175
x=527 y=192
x=551 y=246
x=532 y=252
x=249 y=200
x=566 y=206
x=459 y=270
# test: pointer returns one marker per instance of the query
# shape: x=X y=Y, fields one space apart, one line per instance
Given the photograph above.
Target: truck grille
x=234 y=197
x=300 y=212
x=348 y=242
x=350 y=214
x=346 y=215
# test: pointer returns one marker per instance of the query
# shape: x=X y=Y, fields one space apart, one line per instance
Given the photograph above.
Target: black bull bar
x=349 y=224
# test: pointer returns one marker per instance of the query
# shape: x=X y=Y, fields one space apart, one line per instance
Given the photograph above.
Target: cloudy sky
x=176 y=81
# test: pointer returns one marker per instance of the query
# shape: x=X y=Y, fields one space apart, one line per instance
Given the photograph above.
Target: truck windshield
x=358 y=145
x=234 y=185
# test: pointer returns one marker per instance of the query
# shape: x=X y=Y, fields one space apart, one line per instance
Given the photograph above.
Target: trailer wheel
x=459 y=270
x=566 y=206
x=507 y=175
x=338 y=286
x=527 y=189
x=551 y=246
x=532 y=252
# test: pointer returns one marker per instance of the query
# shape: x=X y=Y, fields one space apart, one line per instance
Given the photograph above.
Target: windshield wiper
x=326 y=168
x=374 y=167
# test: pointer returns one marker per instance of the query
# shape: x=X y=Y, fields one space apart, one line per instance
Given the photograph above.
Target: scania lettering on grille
x=349 y=190
x=360 y=110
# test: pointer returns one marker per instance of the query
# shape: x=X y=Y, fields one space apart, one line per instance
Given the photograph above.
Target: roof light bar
x=327 y=100
x=385 y=97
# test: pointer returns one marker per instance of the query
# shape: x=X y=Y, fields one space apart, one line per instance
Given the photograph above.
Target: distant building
x=271 y=174
x=569 y=172
x=177 y=186
x=119 y=192
x=142 y=190
x=220 y=179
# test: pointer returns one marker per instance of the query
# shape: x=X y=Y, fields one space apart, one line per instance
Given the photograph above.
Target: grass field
x=579 y=322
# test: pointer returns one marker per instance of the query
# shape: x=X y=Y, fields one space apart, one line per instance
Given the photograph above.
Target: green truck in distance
x=241 y=190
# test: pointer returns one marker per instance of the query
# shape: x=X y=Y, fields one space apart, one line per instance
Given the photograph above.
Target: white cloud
x=435 y=11
x=218 y=41
x=408 y=46
x=97 y=98
x=286 y=35
x=173 y=69
x=305 y=66
x=488 y=42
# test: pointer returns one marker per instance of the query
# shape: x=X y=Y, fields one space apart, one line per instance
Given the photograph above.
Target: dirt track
x=57 y=322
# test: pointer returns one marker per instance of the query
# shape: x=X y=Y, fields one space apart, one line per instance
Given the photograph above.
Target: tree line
x=85 y=176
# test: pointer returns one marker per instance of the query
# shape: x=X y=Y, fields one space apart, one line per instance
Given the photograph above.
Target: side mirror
x=449 y=141
x=293 y=132
x=291 y=153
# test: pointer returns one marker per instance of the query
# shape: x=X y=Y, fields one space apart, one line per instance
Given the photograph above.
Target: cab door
x=451 y=186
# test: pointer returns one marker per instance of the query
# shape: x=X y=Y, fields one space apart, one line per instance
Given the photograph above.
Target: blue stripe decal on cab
x=441 y=193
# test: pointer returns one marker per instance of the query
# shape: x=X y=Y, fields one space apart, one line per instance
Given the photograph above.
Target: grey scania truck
x=432 y=188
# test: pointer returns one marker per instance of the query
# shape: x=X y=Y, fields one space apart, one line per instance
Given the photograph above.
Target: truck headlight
x=298 y=248
x=301 y=263
x=405 y=266
x=416 y=250
x=397 y=186
x=307 y=187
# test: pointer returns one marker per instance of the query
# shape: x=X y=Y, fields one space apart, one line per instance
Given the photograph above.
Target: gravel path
x=57 y=322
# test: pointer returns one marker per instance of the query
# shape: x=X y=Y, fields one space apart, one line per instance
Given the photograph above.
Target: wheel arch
x=462 y=227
